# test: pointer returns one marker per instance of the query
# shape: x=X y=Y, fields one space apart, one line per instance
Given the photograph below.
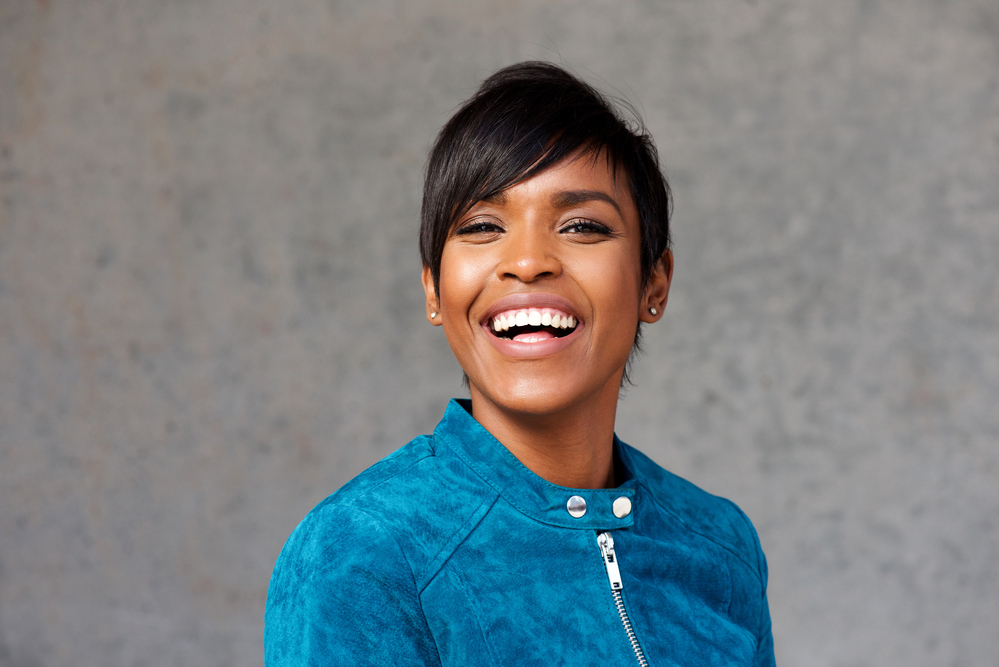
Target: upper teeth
x=548 y=317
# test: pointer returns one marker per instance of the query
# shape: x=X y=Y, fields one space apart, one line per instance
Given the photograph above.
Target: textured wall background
x=210 y=315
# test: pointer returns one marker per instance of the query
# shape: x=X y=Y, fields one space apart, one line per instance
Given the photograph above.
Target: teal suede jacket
x=451 y=552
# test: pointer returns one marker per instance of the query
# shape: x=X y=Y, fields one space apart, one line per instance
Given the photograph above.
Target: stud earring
x=433 y=315
x=653 y=311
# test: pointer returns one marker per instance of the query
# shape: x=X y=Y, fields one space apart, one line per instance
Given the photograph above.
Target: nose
x=528 y=255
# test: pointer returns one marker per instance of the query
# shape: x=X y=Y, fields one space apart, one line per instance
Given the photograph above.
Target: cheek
x=612 y=284
x=462 y=277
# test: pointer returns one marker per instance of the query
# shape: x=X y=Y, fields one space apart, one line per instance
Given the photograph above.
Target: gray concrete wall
x=210 y=315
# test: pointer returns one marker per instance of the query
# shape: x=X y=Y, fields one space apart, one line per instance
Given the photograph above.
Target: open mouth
x=532 y=325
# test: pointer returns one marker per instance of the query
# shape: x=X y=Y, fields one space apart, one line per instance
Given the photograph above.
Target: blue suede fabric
x=451 y=552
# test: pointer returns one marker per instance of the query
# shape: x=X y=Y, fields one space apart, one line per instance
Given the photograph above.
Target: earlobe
x=658 y=289
x=433 y=304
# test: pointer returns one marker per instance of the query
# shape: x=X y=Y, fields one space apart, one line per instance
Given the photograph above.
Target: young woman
x=522 y=531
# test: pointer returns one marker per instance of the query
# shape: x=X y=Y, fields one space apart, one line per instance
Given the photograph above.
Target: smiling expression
x=540 y=289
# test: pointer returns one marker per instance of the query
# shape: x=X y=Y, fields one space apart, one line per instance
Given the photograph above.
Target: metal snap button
x=576 y=506
x=622 y=507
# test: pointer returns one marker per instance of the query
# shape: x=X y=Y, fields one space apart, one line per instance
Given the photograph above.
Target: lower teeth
x=513 y=332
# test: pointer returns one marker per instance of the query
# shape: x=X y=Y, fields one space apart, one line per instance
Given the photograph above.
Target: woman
x=522 y=531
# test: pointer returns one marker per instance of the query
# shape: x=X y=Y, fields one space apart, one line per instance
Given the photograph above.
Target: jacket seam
x=458 y=574
x=699 y=533
x=763 y=584
x=461 y=455
x=516 y=461
x=353 y=501
x=419 y=600
x=758 y=548
x=466 y=528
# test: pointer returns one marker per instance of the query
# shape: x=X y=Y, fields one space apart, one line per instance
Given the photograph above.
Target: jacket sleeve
x=765 y=647
x=764 y=636
x=342 y=593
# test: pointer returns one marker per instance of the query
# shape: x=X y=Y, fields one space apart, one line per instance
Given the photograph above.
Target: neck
x=572 y=447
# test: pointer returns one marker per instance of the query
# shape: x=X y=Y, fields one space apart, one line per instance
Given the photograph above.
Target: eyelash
x=477 y=227
x=581 y=226
x=584 y=226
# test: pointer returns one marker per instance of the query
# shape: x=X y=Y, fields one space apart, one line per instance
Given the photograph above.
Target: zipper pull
x=606 y=543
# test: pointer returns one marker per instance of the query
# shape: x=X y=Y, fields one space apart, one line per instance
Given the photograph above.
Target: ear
x=433 y=303
x=658 y=289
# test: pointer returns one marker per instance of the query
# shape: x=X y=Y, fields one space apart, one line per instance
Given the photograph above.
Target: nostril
x=529 y=264
x=527 y=276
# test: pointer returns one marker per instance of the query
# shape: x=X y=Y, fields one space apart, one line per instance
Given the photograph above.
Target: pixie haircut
x=524 y=119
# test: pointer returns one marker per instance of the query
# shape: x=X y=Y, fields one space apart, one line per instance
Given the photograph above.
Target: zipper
x=606 y=543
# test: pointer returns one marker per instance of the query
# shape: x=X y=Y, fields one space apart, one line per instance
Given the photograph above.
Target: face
x=540 y=289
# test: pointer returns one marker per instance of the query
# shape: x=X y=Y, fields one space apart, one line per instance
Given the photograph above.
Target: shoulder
x=404 y=509
x=344 y=589
x=713 y=518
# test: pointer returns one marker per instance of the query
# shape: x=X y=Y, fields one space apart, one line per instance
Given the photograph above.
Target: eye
x=584 y=227
x=478 y=227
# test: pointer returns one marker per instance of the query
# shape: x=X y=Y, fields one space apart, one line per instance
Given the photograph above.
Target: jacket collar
x=524 y=490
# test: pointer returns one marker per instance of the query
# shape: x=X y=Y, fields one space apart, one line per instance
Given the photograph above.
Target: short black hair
x=522 y=120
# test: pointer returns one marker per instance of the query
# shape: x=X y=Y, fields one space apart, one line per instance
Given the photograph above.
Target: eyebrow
x=568 y=198
x=564 y=199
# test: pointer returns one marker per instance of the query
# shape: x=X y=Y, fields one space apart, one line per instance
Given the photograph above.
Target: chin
x=539 y=397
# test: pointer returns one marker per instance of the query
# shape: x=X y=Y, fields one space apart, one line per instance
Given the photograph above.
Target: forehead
x=581 y=178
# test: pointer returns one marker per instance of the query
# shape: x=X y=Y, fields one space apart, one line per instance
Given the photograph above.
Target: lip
x=518 y=350
x=530 y=300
